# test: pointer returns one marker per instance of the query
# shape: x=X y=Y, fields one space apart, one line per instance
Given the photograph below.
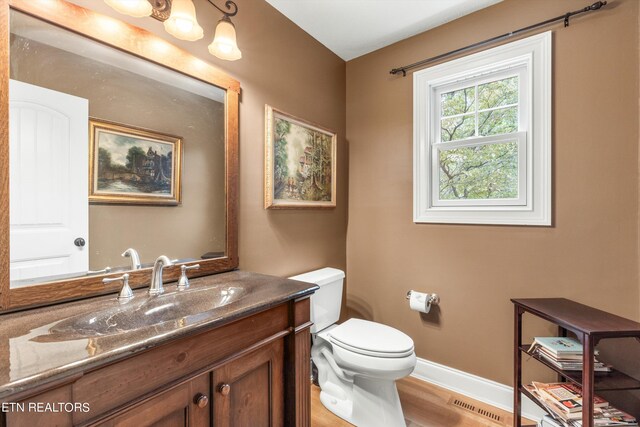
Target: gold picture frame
x=300 y=163
x=130 y=165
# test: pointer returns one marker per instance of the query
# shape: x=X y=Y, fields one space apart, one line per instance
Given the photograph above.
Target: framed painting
x=129 y=165
x=300 y=163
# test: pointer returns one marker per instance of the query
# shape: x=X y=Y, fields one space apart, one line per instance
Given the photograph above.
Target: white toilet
x=358 y=361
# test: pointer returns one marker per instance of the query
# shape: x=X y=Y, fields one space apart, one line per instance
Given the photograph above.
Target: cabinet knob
x=224 y=389
x=201 y=400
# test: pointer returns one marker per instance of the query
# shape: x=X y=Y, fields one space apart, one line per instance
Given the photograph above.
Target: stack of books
x=563 y=401
x=564 y=353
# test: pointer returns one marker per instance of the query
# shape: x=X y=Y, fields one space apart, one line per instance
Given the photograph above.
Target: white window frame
x=528 y=58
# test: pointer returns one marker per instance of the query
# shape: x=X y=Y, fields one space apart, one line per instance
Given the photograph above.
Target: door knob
x=224 y=389
x=79 y=242
x=201 y=400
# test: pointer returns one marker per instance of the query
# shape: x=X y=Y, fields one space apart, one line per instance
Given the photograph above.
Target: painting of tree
x=302 y=162
x=104 y=158
x=280 y=173
x=133 y=155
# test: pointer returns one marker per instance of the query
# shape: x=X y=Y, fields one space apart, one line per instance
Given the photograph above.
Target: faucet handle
x=125 y=293
x=105 y=270
x=183 y=283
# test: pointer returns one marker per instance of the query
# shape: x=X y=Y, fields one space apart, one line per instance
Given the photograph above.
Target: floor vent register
x=474 y=408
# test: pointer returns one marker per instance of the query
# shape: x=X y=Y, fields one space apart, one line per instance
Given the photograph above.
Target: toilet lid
x=371 y=339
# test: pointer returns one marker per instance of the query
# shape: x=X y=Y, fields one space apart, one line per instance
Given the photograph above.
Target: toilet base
x=358 y=388
x=373 y=403
x=340 y=407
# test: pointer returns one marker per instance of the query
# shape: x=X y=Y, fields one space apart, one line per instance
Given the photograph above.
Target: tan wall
x=286 y=68
x=589 y=255
x=131 y=99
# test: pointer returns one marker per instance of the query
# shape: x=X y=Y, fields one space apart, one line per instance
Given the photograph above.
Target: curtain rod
x=595 y=6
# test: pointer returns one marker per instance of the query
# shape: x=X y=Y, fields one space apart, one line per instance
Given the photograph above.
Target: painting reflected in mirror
x=108 y=151
x=133 y=166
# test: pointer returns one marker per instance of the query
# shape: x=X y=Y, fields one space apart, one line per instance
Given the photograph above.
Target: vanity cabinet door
x=249 y=391
x=187 y=404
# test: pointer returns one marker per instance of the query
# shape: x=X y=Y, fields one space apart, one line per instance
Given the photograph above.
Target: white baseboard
x=475 y=387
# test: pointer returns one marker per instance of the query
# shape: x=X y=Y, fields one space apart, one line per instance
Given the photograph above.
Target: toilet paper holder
x=432 y=299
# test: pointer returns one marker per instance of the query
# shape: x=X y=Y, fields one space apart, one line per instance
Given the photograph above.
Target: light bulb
x=225 y=48
x=182 y=22
x=184 y=25
x=135 y=8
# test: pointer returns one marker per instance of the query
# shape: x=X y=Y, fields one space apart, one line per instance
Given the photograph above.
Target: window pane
x=498 y=93
x=458 y=102
x=495 y=122
x=458 y=128
x=483 y=172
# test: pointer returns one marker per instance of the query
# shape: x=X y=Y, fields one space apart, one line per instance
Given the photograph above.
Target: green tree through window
x=483 y=171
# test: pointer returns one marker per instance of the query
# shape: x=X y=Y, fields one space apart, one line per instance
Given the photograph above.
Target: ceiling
x=351 y=28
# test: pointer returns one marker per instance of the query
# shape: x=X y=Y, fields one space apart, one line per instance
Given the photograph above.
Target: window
x=482 y=137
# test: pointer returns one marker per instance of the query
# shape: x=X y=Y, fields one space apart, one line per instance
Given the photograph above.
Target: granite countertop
x=52 y=343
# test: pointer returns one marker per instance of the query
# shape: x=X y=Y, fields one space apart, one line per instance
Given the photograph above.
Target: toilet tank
x=326 y=301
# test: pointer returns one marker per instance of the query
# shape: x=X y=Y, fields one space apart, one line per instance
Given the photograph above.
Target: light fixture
x=135 y=8
x=224 y=44
x=179 y=17
x=182 y=22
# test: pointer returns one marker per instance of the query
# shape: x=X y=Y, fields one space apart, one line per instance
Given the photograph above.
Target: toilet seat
x=371 y=339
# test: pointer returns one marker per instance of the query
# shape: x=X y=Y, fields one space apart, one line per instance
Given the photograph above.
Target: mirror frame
x=145 y=45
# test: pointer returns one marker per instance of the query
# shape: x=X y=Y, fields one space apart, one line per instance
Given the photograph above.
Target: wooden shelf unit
x=590 y=325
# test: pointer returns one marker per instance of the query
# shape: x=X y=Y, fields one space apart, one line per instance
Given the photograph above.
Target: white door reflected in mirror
x=48 y=179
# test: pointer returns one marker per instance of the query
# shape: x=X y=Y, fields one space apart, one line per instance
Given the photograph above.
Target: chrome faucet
x=135 y=258
x=156 y=287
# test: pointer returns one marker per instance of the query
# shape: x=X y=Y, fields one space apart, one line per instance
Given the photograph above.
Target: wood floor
x=426 y=405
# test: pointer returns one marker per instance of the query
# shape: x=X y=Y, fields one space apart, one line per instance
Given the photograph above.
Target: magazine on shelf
x=571 y=365
x=559 y=347
x=604 y=416
x=609 y=418
x=552 y=407
x=567 y=396
x=615 y=417
x=544 y=404
x=575 y=358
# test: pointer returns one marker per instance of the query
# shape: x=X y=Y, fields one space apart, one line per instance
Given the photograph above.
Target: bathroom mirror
x=113 y=139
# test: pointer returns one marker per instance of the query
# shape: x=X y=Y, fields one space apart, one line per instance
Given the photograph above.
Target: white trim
x=475 y=387
x=533 y=52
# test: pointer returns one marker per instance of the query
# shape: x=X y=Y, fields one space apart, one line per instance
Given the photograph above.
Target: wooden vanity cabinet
x=250 y=390
x=186 y=404
x=253 y=372
x=245 y=392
